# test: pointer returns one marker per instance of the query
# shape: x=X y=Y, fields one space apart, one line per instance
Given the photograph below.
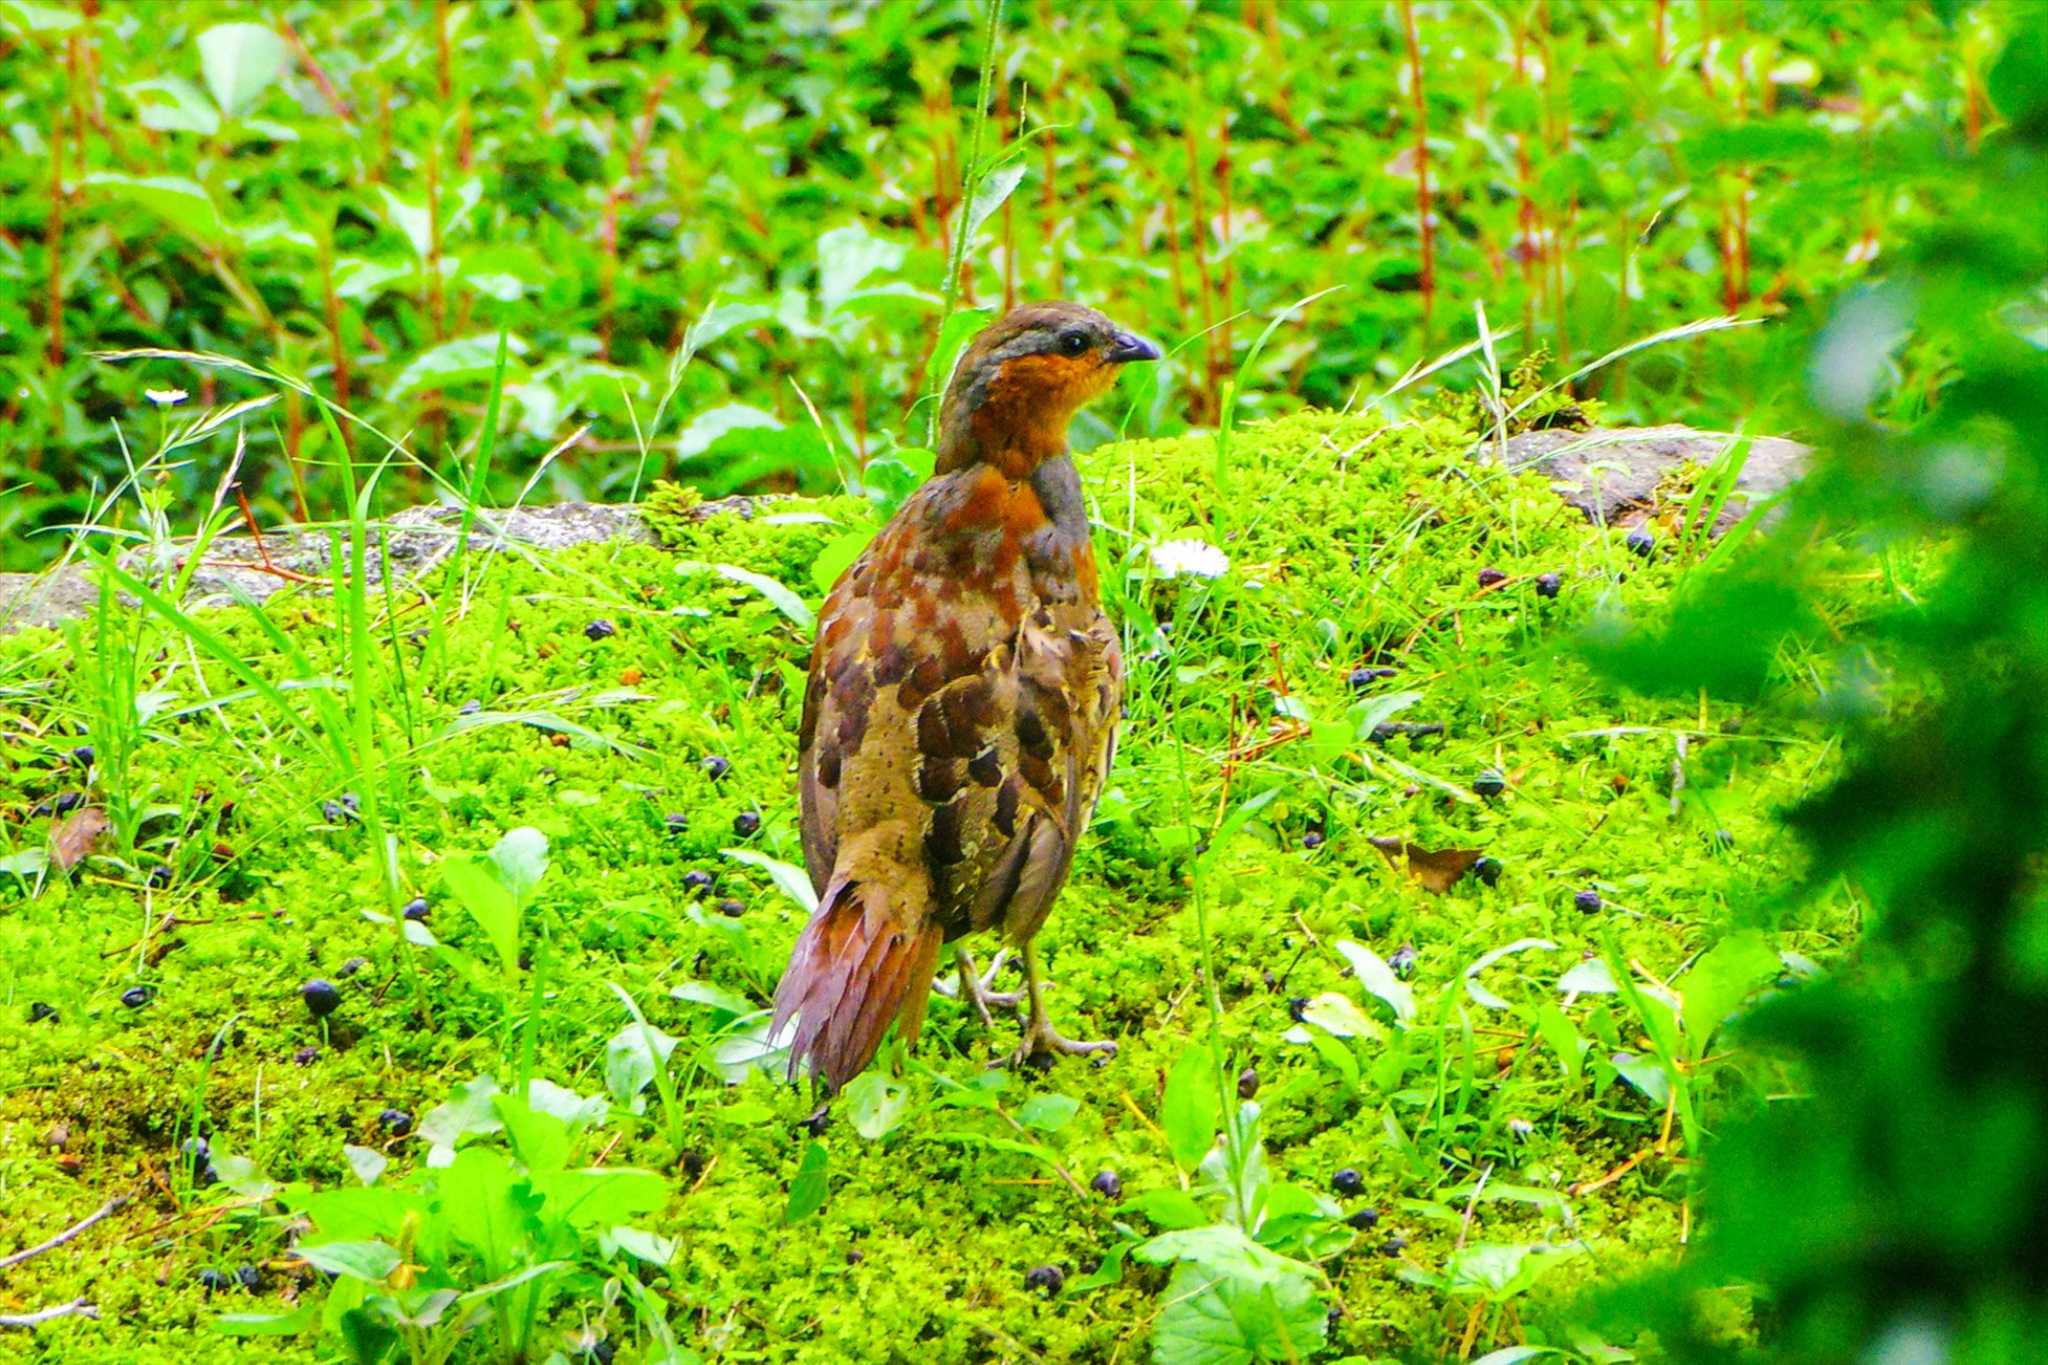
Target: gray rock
x=418 y=539
x=1612 y=474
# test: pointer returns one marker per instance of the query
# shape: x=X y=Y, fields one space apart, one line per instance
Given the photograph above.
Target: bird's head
x=1022 y=378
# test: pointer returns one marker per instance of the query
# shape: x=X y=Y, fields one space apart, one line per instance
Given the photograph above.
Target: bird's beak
x=1124 y=348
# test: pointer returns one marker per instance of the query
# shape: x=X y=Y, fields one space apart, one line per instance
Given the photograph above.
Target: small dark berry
x=1640 y=542
x=854 y=1255
x=416 y=908
x=1487 y=870
x=675 y=822
x=1334 y=1316
x=306 y=1056
x=1364 y=1218
x=1347 y=1182
x=1360 y=679
x=693 y=1164
x=1490 y=783
x=248 y=1276
x=818 y=1122
x=697 y=880
x=351 y=967
x=1489 y=577
x=734 y=908
x=602 y=1351
x=159 y=877
x=38 y=1012
x=1587 y=902
x=1548 y=585
x=350 y=804
x=1393 y=1246
x=600 y=629
x=83 y=753
x=1722 y=838
x=469 y=708
x=1297 y=1008
x=322 y=997
x=1247 y=1083
x=198 y=1156
x=1312 y=840
x=395 y=1121
x=1108 y=1184
x=1403 y=961
x=1049 y=1278
x=213 y=1281
x=716 y=767
x=68 y=802
x=135 y=997
x=747 y=824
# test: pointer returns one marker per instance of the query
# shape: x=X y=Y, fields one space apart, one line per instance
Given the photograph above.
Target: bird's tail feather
x=856 y=967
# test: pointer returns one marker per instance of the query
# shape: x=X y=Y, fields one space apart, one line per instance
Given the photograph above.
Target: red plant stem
x=1422 y=204
x=436 y=307
x=441 y=47
x=1663 y=33
x=53 y=244
x=1180 y=282
x=1529 y=248
x=1229 y=284
x=337 y=348
x=608 y=278
x=1210 y=404
x=314 y=72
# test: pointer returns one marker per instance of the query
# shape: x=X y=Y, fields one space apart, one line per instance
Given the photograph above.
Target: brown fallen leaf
x=1435 y=869
x=75 y=836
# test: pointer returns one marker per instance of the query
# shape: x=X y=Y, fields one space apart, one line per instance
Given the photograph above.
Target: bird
x=960 y=714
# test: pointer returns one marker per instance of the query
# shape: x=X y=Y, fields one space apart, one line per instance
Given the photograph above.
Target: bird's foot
x=1041 y=1039
x=978 y=989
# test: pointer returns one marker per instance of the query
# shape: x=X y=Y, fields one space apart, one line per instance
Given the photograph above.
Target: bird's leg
x=1039 y=1034
x=978 y=989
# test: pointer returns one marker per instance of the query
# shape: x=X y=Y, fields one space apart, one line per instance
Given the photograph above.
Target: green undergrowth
x=1473 y=1102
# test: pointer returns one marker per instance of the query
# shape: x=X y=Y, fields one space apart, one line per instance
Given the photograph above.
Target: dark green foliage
x=1892 y=1210
x=753 y=205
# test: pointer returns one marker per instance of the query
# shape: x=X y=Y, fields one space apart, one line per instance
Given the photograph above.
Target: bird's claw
x=1042 y=1040
x=977 y=989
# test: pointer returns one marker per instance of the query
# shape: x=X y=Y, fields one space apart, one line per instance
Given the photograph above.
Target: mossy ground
x=1352 y=544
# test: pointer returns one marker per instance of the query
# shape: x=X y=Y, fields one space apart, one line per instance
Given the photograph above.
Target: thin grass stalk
x=1209 y=391
x=971 y=181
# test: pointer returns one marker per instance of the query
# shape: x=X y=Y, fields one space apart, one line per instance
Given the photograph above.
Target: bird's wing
x=847 y=612
x=1062 y=691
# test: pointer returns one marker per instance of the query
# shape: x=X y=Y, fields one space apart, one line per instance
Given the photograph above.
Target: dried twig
x=8 y=1263
x=77 y=1308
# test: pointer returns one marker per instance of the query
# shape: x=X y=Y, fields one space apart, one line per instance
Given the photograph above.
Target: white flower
x=1189 y=558
x=166 y=398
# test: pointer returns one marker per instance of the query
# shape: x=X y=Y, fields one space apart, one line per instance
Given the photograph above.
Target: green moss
x=1352 y=543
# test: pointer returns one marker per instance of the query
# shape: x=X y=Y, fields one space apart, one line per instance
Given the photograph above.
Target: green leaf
x=601 y=1195
x=1646 y=1074
x=370 y=1262
x=641 y=1244
x=268 y=1324
x=837 y=557
x=240 y=62
x=478 y=887
x=32 y=17
x=182 y=204
x=995 y=187
x=875 y=1104
x=789 y=879
x=1719 y=982
x=1379 y=980
x=1232 y=1300
x=847 y=257
x=630 y=1061
x=783 y=600
x=465 y=360
x=1191 y=1107
x=807 y=1189
x=1048 y=1113
x=1170 y=1208
x=171 y=104
x=522 y=860
x=367 y=1162
x=1564 y=1040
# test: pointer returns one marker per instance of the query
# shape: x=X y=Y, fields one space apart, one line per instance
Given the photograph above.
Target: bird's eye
x=1073 y=343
